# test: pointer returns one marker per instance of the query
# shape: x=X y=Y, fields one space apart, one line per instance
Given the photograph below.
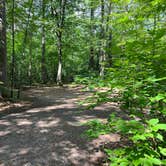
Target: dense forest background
x=70 y=38
x=114 y=43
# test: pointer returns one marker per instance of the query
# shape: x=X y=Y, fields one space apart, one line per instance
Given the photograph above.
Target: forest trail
x=47 y=131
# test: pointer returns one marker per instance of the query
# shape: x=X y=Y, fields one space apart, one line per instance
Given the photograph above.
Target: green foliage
x=147 y=141
x=148 y=144
x=147 y=137
x=139 y=95
x=6 y=92
x=81 y=80
x=96 y=128
x=96 y=99
x=133 y=43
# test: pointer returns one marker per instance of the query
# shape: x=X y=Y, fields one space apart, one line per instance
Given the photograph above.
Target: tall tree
x=59 y=14
x=92 y=51
x=13 y=49
x=60 y=25
x=3 y=58
x=102 y=57
x=109 y=34
x=43 y=63
x=30 y=61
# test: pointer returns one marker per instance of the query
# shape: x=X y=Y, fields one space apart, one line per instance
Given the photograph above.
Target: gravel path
x=48 y=131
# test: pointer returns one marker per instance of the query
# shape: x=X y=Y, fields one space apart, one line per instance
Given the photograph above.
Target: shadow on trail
x=48 y=131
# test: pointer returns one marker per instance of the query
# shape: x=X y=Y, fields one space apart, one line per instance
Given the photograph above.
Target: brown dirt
x=45 y=129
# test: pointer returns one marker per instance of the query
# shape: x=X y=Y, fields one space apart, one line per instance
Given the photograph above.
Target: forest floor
x=45 y=129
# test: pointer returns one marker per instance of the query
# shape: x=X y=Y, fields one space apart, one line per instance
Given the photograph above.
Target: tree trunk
x=109 y=36
x=59 y=73
x=3 y=61
x=43 y=62
x=154 y=33
x=30 y=61
x=60 y=16
x=13 y=51
x=92 y=51
x=102 y=46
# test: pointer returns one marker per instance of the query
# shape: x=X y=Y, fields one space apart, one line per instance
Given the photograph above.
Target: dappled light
x=45 y=124
x=23 y=122
x=82 y=83
x=49 y=130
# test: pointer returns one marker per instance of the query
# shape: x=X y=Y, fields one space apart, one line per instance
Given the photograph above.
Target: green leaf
x=159 y=127
x=159 y=136
x=145 y=162
x=150 y=161
x=164 y=111
x=153 y=122
x=158 y=97
x=164 y=162
x=155 y=161
x=138 y=137
x=124 y=163
x=152 y=79
x=149 y=135
x=162 y=151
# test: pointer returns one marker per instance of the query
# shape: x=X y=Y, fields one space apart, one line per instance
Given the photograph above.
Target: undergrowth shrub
x=145 y=99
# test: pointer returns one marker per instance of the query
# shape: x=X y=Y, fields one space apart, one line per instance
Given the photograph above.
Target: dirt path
x=47 y=131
